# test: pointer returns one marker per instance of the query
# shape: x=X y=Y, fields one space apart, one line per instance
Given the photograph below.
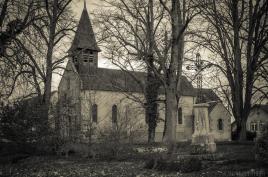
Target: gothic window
x=253 y=126
x=68 y=83
x=180 y=116
x=94 y=113
x=220 y=124
x=114 y=114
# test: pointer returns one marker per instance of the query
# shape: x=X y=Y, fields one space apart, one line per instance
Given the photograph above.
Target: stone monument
x=202 y=136
x=202 y=139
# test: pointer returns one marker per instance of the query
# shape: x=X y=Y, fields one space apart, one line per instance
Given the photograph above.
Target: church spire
x=84 y=35
x=85 y=5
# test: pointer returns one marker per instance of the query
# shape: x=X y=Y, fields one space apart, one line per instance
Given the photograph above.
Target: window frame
x=180 y=116
x=253 y=126
x=94 y=113
x=114 y=114
x=220 y=124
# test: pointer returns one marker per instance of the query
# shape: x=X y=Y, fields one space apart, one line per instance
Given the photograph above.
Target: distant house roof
x=263 y=107
x=84 y=36
x=130 y=81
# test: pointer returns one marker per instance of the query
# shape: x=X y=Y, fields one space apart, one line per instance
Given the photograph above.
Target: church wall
x=106 y=99
x=130 y=113
x=69 y=103
x=184 y=130
x=219 y=112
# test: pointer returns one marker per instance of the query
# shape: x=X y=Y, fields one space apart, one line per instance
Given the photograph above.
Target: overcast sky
x=78 y=5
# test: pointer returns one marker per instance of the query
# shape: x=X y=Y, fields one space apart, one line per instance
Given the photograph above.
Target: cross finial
x=85 y=4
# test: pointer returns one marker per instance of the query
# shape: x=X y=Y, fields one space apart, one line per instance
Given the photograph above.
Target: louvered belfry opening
x=84 y=49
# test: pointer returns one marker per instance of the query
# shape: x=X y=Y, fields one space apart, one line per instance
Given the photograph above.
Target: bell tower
x=84 y=50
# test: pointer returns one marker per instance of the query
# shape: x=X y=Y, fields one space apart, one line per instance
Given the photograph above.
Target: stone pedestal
x=202 y=136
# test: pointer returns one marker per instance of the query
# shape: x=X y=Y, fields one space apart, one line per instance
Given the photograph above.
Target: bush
x=113 y=144
x=261 y=147
x=116 y=141
x=190 y=164
x=20 y=122
x=250 y=135
x=185 y=165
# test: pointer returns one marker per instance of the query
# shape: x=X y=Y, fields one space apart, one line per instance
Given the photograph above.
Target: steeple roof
x=84 y=36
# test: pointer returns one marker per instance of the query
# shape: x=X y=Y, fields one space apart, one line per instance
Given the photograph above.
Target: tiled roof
x=117 y=80
x=212 y=105
x=84 y=36
x=263 y=107
x=209 y=95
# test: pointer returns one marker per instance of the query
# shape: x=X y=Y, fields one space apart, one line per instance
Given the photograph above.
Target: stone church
x=93 y=99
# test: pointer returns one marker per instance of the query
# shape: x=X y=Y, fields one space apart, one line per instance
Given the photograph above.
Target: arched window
x=179 y=116
x=114 y=114
x=220 y=124
x=68 y=83
x=94 y=113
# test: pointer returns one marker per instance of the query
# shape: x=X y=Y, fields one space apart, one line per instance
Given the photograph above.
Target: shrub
x=185 y=165
x=190 y=164
x=116 y=141
x=249 y=135
x=20 y=122
x=261 y=147
x=113 y=143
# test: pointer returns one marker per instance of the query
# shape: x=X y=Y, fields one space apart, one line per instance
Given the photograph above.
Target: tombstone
x=202 y=136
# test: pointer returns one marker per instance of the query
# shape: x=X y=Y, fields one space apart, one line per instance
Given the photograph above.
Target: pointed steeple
x=84 y=35
x=85 y=4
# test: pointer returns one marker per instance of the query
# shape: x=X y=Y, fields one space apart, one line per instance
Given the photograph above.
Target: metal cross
x=198 y=66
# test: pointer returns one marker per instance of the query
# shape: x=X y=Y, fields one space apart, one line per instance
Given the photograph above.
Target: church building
x=94 y=100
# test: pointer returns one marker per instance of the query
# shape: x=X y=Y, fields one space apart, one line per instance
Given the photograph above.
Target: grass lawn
x=238 y=161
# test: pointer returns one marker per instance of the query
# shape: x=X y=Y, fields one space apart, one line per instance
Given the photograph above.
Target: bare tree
x=15 y=16
x=181 y=13
x=40 y=50
x=130 y=31
x=236 y=33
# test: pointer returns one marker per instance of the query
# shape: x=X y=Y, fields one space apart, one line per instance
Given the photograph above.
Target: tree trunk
x=151 y=95
x=171 y=113
x=151 y=117
x=48 y=80
x=151 y=134
x=165 y=125
x=153 y=84
x=243 y=131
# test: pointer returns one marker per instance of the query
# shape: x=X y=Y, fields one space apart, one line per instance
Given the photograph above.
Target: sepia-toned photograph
x=133 y=88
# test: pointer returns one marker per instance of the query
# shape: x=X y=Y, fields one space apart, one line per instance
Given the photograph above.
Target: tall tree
x=236 y=32
x=40 y=50
x=15 y=16
x=181 y=13
x=130 y=31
